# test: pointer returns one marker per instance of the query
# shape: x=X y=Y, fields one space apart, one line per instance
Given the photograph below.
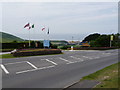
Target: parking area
x=39 y=64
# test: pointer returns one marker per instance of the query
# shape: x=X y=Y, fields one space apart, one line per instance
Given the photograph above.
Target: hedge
x=33 y=52
x=93 y=48
x=24 y=45
x=64 y=47
x=20 y=45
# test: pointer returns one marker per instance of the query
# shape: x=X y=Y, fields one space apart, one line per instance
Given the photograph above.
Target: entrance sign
x=111 y=38
x=46 y=43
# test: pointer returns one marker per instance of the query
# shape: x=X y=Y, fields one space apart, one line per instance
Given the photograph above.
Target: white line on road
x=34 y=69
x=97 y=57
x=74 y=62
x=15 y=62
x=76 y=58
x=65 y=60
x=51 y=62
x=106 y=54
x=73 y=83
x=32 y=65
x=3 y=67
x=87 y=57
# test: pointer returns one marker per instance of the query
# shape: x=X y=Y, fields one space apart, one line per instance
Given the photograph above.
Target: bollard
x=71 y=47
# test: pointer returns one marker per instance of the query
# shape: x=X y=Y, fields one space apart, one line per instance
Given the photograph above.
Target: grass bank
x=108 y=77
x=7 y=56
x=11 y=56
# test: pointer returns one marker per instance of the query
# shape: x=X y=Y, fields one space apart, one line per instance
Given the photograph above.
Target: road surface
x=54 y=71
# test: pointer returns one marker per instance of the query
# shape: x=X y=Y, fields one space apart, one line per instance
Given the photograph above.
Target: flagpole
x=45 y=34
x=48 y=36
x=28 y=26
x=48 y=33
x=34 y=34
x=29 y=38
x=35 y=37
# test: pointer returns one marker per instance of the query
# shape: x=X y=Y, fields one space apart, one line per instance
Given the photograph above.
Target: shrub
x=33 y=52
x=54 y=46
x=64 y=47
x=93 y=48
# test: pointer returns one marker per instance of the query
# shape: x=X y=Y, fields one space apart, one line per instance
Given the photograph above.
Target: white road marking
x=34 y=69
x=15 y=62
x=73 y=83
x=106 y=53
x=32 y=65
x=65 y=60
x=87 y=57
x=51 y=62
x=3 y=67
x=97 y=57
x=72 y=62
x=76 y=58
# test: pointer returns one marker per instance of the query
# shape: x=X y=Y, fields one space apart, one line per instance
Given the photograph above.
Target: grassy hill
x=5 y=37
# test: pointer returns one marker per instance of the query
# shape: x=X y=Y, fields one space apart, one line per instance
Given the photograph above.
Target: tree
x=97 y=40
x=103 y=41
x=91 y=37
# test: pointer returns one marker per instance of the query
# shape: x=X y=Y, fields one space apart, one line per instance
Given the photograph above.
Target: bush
x=15 y=45
x=54 y=46
x=9 y=45
x=93 y=48
x=33 y=52
x=64 y=47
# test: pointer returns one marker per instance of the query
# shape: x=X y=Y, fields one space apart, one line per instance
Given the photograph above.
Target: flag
x=33 y=26
x=43 y=28
x=48 y=31
x=27 y=25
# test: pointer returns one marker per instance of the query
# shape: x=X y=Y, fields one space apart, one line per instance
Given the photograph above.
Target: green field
x=108 y=77
x=5 y=37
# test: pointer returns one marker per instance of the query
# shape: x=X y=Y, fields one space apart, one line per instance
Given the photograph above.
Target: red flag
x=27 y=25
x=43 y=28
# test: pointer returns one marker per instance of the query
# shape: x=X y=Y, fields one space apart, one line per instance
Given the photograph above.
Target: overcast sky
x=62 y=18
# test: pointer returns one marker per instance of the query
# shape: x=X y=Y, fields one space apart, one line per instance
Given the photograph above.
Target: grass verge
x=11 y=56
x=7 y=56
x=107 y=76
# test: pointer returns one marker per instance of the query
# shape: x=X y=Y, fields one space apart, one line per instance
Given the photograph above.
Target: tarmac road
x=54 y=71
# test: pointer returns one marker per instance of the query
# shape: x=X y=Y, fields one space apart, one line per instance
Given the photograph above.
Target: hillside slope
x=5 y=37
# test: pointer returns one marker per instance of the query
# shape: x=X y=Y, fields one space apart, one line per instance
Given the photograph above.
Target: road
x=54 y=71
